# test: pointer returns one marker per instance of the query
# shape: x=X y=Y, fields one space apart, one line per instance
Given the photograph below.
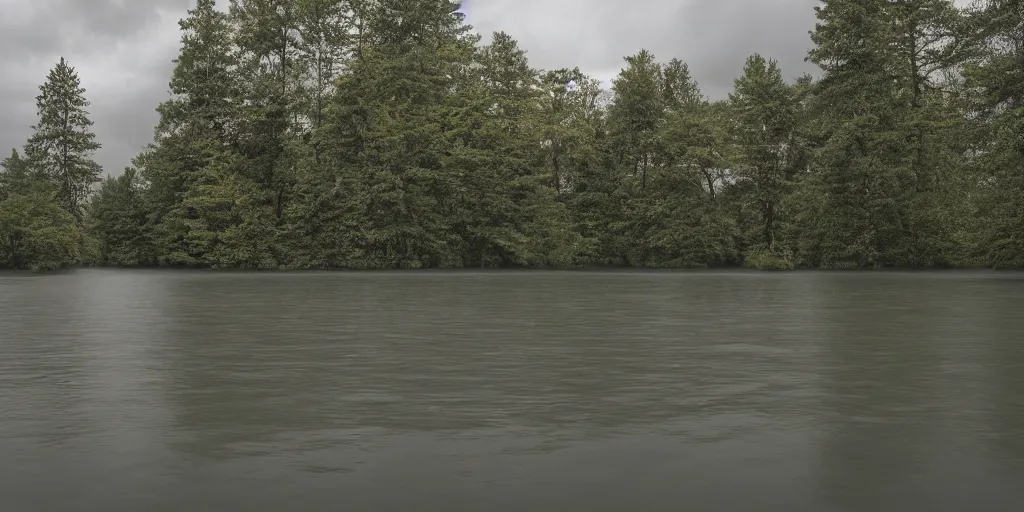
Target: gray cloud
x=123 y=49
x=43 y=27
x=713 y=36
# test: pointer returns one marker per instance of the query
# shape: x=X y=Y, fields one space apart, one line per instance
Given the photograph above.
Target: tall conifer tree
x=62 y=143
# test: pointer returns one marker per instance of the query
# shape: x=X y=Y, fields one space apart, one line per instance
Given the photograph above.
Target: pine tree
x=324 y=46
x=36 y=232
x=570 y=121
x=269 y=73
x=389 y=129
x=511 y=215
x=765 y=112
x=62 y=143
x=692 y=137
x=118 y=217
x=572 y=126
x=668 y=140
x=637 y=114
x=14 y=175
x=928 y=50
x=679 y=91
x=997 y=74
x=884 y=176
x=322 y=220
x=684 y=221
x=197 y=129
x=635 y=117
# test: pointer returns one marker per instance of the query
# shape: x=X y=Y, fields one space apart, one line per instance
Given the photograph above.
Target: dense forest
x=384 y=134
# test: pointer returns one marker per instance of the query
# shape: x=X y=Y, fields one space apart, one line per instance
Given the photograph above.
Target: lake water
x=511 y=391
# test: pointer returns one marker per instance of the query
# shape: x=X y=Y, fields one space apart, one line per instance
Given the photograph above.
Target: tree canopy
x=387 y=134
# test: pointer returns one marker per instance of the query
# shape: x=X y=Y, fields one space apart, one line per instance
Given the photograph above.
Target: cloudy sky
x=123 y=49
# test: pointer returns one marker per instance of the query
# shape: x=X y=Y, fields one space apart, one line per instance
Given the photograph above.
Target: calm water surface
x=195 y=391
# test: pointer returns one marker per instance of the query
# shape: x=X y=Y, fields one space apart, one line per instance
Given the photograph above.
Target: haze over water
x=447 y=391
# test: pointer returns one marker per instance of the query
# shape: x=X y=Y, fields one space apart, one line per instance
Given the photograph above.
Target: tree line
x=384 y=134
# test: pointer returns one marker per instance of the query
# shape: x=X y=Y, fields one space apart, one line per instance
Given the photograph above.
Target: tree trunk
x=643 y=174
x=769 y=223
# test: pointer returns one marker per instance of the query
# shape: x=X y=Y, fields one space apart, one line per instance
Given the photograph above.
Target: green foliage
x=62 y=144
x=119 y=223
x=42 y=194
x=510 y=215
x=636 y=115
x=995 y=77
x=888 y=174
x=16 y=176
x=569 y=156
x=390 y=123
x=382 y=134
x=763 y=258
x=37 y=233
x=765 y=113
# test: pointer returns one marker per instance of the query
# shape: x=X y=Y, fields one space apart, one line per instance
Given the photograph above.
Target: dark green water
x=192 y=391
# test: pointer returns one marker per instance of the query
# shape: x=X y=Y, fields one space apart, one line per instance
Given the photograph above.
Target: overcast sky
x=123 y=49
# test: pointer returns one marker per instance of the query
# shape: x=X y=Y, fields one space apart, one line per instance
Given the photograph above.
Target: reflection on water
x=510 y=391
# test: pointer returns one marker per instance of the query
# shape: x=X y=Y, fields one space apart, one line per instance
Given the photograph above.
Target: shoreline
x=472 y=270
